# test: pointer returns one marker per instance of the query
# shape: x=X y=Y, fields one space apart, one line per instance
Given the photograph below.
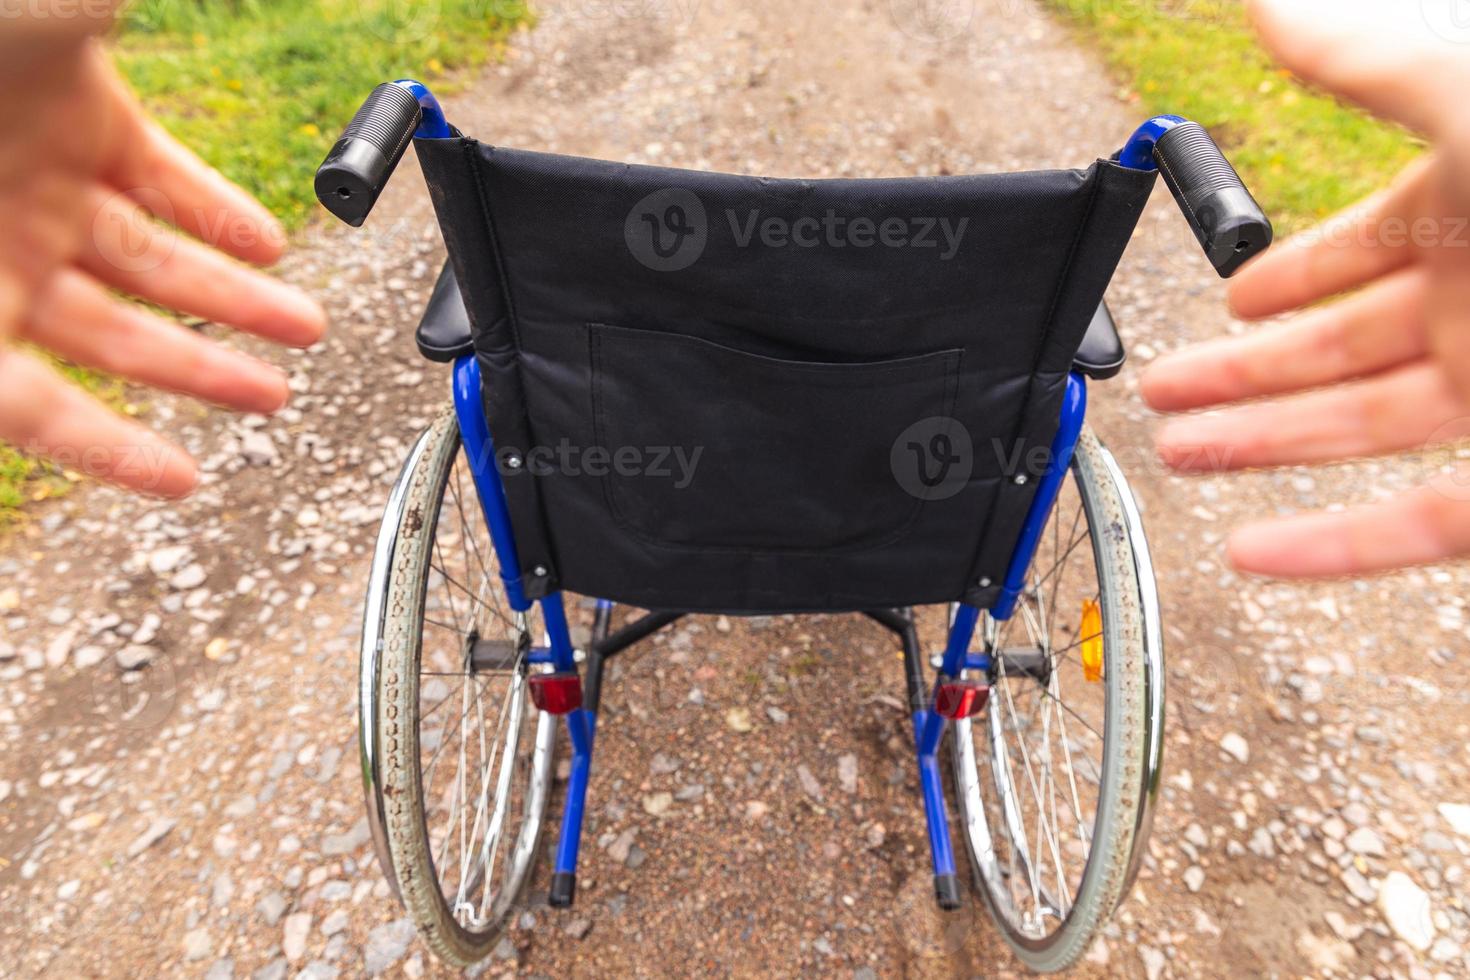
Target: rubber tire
x=1124 y=738
x=398 y=701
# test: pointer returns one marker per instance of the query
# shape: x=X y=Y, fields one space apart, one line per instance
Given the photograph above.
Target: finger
x=1448 y=318
x=42 y=414
x=1380 y=328
x=1383 y=56
x=1404 y=409
x=78 y=320
x=1414 y=529
x=131 y=252
x=181 y=189
x=1368 y=240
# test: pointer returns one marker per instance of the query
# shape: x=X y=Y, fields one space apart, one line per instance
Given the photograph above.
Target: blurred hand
x=1391 y=362
x=88 y=187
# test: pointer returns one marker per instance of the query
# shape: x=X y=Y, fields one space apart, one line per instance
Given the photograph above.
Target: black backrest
x=742 y=388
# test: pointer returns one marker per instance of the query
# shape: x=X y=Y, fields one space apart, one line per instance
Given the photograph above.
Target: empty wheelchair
x=696 y=392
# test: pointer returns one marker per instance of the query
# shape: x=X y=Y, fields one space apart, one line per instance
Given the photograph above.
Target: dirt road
x=200 y=815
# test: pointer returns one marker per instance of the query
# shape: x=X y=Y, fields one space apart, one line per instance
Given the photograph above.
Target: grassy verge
x=260 y=89
x=1303 y=154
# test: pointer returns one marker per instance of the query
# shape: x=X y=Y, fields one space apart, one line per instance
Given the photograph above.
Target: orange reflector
x=1089 y=634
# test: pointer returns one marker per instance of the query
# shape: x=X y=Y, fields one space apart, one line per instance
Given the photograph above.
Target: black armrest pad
x=444 y=331
x=1101 y=354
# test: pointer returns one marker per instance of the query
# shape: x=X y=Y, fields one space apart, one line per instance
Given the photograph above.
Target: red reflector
x=960 y=699
x=556 y=694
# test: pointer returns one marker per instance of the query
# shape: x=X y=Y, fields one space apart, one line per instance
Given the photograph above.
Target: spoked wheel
x=457 y=760
x=1055 y=778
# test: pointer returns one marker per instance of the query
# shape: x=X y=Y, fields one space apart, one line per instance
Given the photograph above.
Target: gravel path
x=178 y=793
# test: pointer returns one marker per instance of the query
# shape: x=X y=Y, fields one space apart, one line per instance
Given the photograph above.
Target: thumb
x=1405 y=61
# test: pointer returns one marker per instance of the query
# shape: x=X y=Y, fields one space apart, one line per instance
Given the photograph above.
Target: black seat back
x=743 y=394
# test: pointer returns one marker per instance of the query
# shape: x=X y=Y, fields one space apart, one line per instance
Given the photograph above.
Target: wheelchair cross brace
x=1225 y=219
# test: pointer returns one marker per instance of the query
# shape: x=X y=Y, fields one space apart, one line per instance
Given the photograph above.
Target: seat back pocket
x=710 y=447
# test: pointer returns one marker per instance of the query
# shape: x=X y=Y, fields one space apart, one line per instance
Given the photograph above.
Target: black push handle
x=1230 y=225
x=353 y=175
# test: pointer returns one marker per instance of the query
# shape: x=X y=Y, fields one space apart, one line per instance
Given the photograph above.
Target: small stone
x=166 y=560
x=777 y=716
x=134 y=656
x=578 y=928
x=189 y=578
x=69 y=890
x=295 y=934
x=1194 y=878
x=809 y=784
x=222 y=969
x=156 y=831
x=756 y=810
x=722 y=624
x=258 y=448
x=1365 y=841
x=386 y=945
x=271 y=907
x=657 y=804
x=1361 y=888
x=1457 y=815
x=1236 y=747
x=738 y=720
x=847 y=773
x=334 y=923
x=620 y=847
x=197 y=945
x=1153 y=962
x=89 y=656
x=216 y=648
x=59 y=649
x=1406 y=909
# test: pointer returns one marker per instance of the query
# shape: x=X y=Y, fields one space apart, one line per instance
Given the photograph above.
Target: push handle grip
x=353 y=175
x=1230 y=225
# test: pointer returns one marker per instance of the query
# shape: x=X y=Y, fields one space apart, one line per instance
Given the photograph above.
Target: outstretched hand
x=89 y=186
x=1385 y=369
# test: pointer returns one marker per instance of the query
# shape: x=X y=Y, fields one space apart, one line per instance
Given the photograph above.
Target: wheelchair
x=876 y=389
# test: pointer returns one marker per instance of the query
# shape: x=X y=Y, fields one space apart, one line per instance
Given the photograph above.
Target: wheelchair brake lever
x=357 y=169
x=1227 y=221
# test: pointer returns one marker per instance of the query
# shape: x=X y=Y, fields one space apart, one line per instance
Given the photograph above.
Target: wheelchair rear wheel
x=1055 y=778
x=458 y=761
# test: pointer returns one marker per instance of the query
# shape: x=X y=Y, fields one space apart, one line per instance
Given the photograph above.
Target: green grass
x=1303 y=154
x=260 y=89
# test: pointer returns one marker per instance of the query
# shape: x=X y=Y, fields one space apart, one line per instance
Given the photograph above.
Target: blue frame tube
x=474 y=432
x=1138 y=152
x=1074 y=410
x=432 y=124
x=469 y=406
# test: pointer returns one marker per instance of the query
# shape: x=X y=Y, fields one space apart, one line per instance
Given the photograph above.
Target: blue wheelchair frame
x=928 y=721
